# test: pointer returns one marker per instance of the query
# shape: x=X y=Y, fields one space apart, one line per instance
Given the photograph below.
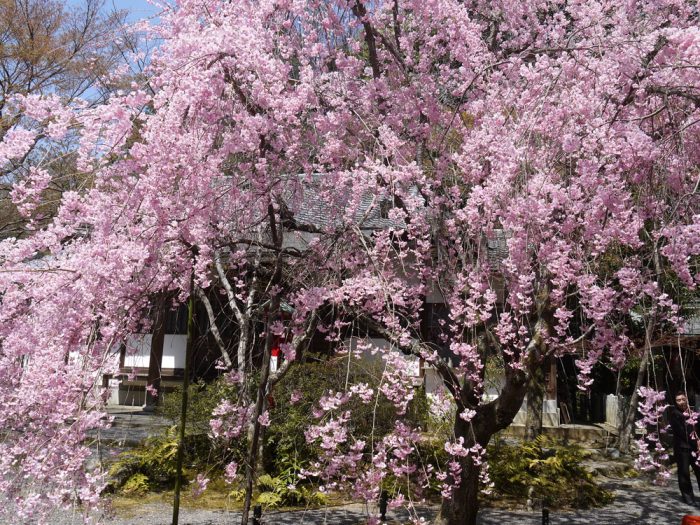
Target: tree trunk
x=245 y=371
x=627 y=421
x=254 y=445
x=243 y=351
x=463 y=507
x=535 y=400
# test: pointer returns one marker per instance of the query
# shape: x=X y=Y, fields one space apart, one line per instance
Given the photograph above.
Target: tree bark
x=183 y=406
x=254 y=445
x=263 y=383
x=535 y=400
x=627 y=422
x=537 y=365
x=242 y=312
x=463 y=506
x=213 y=327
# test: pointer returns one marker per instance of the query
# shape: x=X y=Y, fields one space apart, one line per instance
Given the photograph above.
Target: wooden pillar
x=155 y=362
x=551 y=385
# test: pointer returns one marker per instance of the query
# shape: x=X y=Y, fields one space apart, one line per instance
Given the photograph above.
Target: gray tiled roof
x=692 y=322
x=497 y=248
x=310 y=205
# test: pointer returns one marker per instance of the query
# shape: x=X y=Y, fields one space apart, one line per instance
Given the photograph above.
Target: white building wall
x=138 y=350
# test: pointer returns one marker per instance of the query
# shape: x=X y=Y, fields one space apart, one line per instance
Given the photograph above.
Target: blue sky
x=137 y=8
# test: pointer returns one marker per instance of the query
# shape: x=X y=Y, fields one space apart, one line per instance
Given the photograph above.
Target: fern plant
x=277 y=491
x=149 y=466
x=547 y=471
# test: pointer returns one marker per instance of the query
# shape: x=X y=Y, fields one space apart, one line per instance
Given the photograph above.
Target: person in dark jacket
x=685 y=446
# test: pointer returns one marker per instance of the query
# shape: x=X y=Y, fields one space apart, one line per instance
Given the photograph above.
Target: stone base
x=549 y=419
x=593 y=436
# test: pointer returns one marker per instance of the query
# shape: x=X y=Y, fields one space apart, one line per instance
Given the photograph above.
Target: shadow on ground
x=637 y=502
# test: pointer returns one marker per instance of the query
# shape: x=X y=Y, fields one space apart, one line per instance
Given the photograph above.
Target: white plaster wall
x=174 y=350
x=138 y=350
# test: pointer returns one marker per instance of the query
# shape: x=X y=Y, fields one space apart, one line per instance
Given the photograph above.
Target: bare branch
x=232 y=300
x=214 y=328
x=359 y=10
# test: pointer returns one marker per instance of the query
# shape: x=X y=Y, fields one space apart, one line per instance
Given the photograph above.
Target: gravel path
x=637 y=502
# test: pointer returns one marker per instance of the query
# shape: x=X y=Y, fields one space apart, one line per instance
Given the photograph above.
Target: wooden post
x=155 y=360
x=551 y=377
x=183 y=407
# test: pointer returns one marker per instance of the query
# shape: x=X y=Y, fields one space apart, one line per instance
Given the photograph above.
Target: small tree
x=52 y=50
x=530 y=167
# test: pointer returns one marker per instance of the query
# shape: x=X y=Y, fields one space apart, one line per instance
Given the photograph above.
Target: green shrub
x=269 y=500
x=151 y=465
x=277 y=491
x=136 y=485
x=285 y=442
x=547 y=471
x=201 y=452
x=202 y=400
x=285 y=449
x=430 y=453
x=274 y=492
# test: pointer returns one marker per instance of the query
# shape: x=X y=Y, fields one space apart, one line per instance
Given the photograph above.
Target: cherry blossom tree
x=535 y=165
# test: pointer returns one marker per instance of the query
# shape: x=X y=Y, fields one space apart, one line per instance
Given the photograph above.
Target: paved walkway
x=131 y=425
x=636 y=502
